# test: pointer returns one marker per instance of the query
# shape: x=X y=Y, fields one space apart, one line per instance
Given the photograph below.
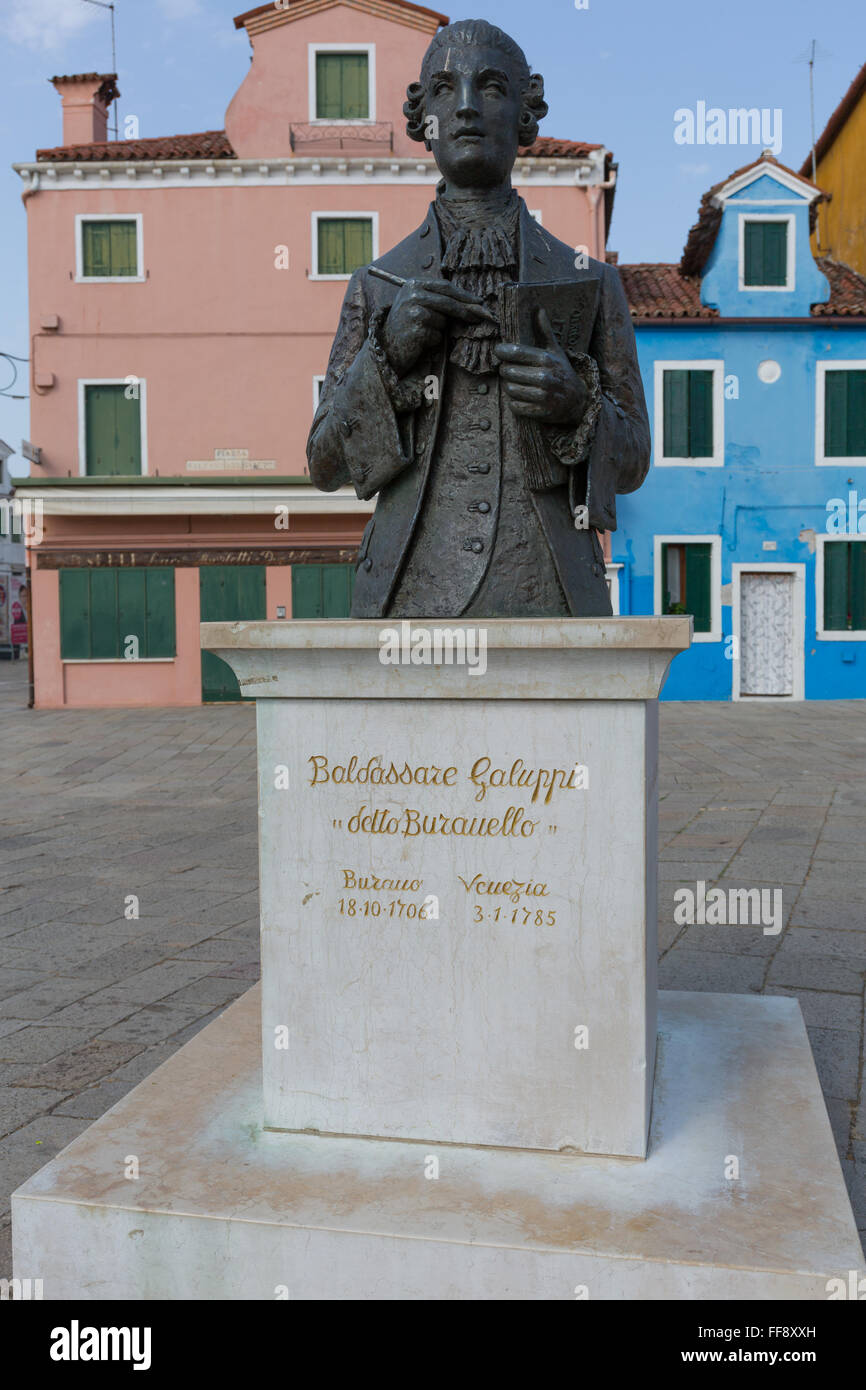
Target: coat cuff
x=572 y=446
x=404 y=395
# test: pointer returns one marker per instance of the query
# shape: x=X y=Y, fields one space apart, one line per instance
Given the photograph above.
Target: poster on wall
x=18 y=611
x=5 y=582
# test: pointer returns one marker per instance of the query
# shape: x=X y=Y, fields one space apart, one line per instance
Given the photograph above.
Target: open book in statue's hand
x=570 y=309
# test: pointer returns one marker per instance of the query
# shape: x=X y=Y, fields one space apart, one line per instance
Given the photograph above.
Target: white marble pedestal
x=449 y=1089
x=226 y=1210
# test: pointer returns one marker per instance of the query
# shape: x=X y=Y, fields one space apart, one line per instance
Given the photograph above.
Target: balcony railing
x=313 y=137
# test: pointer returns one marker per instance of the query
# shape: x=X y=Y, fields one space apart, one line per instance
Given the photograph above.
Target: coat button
x=368 y=563
x=484 y=424
x=427 y=262
x=475 y=544
x=482 y=388
x=479 y=468
x=483 y=507
x=425 y=230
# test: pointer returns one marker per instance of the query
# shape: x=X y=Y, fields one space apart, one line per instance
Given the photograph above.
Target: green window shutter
x=836 y=585
x=109 y=248
x=845 y=414
x=160 y=620
x=688 y=414
x=857 y=585
x=112 y=432
x=96 y=248
x=698 y=586
x=344 y=244
x=765 y=253
x=342 y=89
x=75 y=615
x=676 y=414
x=700 y=414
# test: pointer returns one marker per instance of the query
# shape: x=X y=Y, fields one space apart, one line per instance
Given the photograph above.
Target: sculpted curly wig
x=478 y=31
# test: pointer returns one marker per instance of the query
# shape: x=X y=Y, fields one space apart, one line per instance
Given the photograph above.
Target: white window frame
x=318 y=382
x=80 y=277
x=715 y=632
x=698 y=364
x=790 y=251
x=342 y=215
x=799 y=634
x=822 y=633
x=370 y=50
x=833 y=365
x=83 y=382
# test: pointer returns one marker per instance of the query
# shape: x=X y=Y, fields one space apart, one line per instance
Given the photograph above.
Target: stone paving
x=128 y=905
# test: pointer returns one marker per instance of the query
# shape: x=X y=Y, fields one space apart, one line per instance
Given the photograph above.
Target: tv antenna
x=109 y=5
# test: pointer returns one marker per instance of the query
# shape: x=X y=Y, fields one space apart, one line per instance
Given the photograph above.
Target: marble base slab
x=222 y=1209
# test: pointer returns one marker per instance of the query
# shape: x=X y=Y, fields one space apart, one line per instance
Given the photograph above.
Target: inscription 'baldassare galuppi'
x=539 y=783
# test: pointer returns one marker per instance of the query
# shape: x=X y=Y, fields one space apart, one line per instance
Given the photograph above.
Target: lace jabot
x=479 y=253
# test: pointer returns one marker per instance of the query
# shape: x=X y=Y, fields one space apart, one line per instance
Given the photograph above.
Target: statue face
x=475 y=97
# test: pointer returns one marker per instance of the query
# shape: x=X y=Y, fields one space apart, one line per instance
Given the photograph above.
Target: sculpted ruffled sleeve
x=356 y=436
x=613 y=438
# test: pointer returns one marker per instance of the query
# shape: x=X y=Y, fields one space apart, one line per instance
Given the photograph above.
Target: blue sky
x=615 y=72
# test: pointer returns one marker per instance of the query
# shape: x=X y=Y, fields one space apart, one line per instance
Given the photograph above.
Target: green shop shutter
x=698 y=586
x=322 y=591
x=342 y=89
x=104 y=634
x=228 y=593
x=131 y=613
x=160 y=637
x=75 y=615
x=112 y=426
x=344 y=244
x=765 y=248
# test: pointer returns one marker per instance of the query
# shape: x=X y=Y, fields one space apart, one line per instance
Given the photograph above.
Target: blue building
x=753 y=517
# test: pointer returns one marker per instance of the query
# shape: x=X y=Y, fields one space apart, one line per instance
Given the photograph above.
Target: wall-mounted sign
x=231 y=461
x=31 y=452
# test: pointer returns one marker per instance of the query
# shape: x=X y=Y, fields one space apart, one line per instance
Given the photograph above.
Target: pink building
x=183 y=296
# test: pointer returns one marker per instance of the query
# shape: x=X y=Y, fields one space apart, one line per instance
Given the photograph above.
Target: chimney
x=86 y=97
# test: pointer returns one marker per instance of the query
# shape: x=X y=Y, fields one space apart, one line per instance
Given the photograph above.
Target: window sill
x=110 y=279
x=117 y=660
x=711 y=461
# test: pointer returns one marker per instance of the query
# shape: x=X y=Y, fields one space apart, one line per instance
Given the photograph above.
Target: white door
x=766 y=633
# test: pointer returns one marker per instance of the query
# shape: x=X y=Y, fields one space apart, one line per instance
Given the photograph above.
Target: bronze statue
x=495 y=462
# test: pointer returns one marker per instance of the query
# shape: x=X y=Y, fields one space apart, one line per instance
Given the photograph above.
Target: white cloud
x=46 y=24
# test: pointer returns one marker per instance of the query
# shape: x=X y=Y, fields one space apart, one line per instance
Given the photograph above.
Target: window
x=111 y=416
x=841 y=412
x=116 y=614
x=766 y=251
x=318 y=383
x=342 y=243
x=342 y=81
x=688 y=580
x=842 y=588
x=342 y=87
x=689 y=413
x=109 y=248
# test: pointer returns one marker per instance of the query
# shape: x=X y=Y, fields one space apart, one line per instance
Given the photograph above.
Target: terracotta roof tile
x=207 y=144
x=214 y=144
x=661 y=291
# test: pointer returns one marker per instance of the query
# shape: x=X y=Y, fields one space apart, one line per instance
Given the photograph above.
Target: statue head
x=476 y=103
